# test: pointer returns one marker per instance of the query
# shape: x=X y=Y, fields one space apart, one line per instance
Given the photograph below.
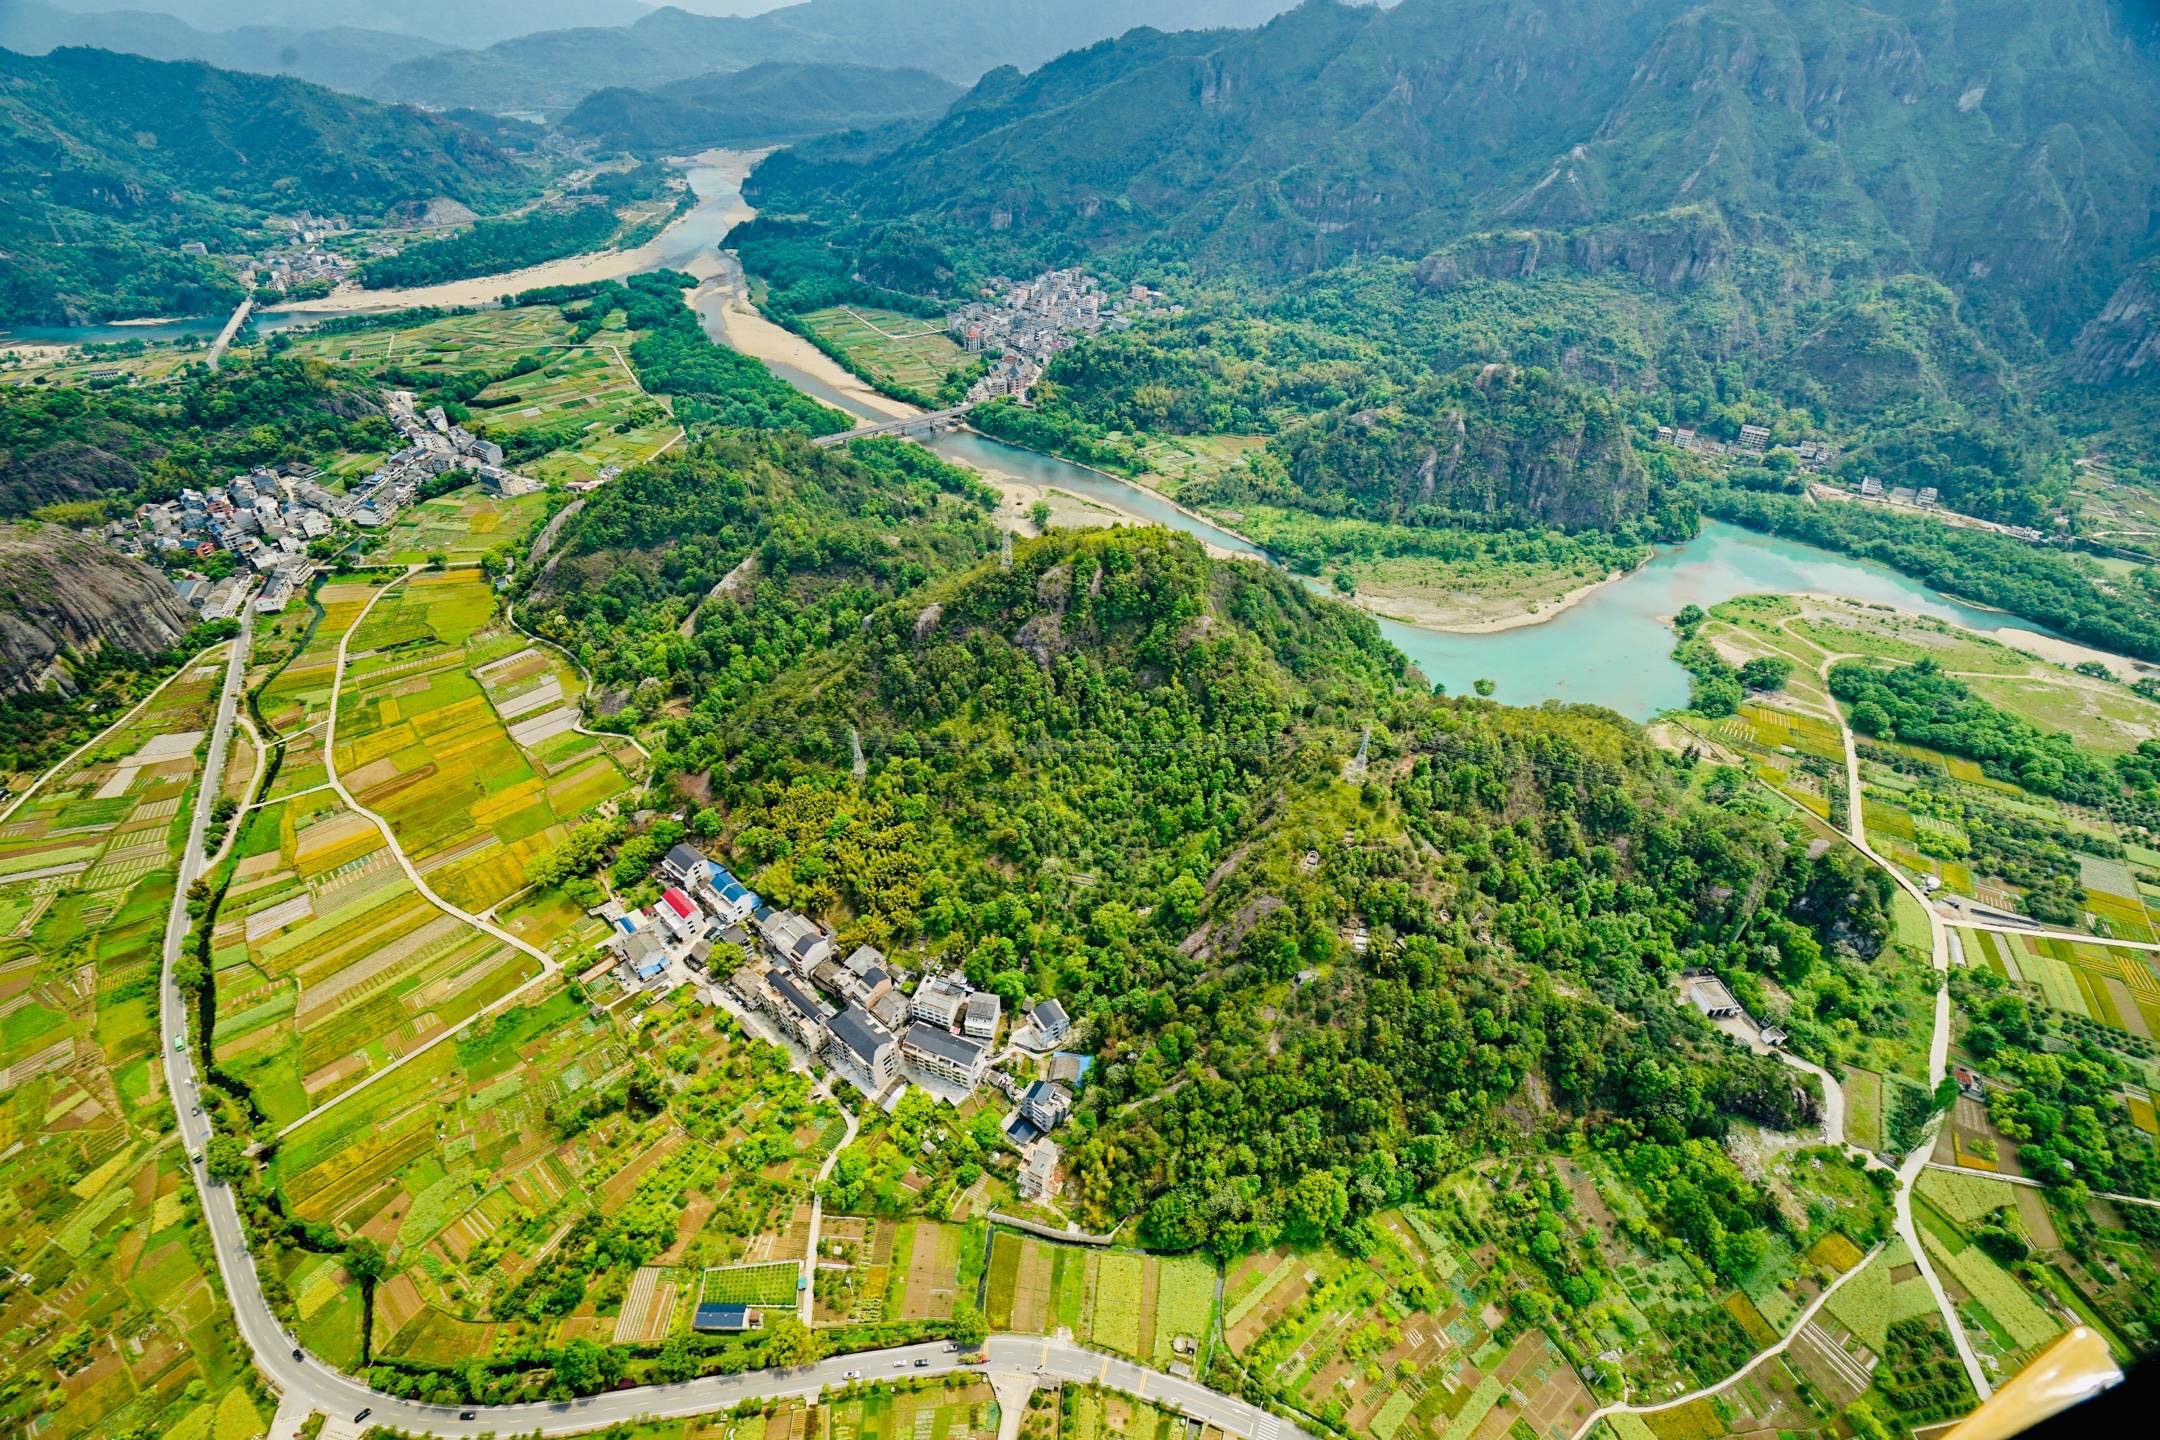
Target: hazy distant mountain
x=767 y=104
x=111 y=164
x=550 y=72
x=447 y=22
x=342 y=59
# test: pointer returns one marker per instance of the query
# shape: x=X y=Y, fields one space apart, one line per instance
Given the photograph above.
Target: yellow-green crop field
x=112 y=1324
x=465 y=1163
x=580 y=406
x=331 y=963
x=898 y=349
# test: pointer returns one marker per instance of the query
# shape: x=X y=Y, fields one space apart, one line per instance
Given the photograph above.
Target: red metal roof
x=678 y=902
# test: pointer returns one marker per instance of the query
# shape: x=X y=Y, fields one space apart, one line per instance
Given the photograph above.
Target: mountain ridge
x=114 y=162
x=957 y=39
x=771 y=102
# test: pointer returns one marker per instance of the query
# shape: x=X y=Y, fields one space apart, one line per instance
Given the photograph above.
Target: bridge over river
x=929 y=423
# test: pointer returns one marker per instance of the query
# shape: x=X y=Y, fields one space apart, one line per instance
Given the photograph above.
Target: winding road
x=306 y=1384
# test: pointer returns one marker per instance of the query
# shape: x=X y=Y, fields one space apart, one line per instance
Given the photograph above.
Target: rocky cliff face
x=2123 y=340
x=61 y=589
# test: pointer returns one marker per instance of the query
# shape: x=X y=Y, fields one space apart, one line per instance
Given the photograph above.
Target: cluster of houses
x=857 y=1013
x=433 y=446
x=263 y=519
x=1026 y=323
x=1754 y=440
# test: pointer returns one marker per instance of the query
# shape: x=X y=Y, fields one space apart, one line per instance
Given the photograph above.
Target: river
x=1613 y=649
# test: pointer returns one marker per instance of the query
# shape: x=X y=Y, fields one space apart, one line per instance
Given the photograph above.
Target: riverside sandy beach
x=709 y=221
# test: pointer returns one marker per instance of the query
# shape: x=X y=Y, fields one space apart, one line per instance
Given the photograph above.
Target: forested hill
x=1791 y=162
x=109 y=164
x=765 y=104
x=957 y=39
x=1487 y=444
x=1114 y=772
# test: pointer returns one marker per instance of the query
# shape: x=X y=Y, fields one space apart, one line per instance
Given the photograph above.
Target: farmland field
x=573 y=409
x=113 y=1325
x=463 y=1164
x=904 y=350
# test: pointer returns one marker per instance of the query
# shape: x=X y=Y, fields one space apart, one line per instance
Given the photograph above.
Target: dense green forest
x=65 y=444
x=112 y=163
x=586 y=220
x=494 y=247
x=1117 y=706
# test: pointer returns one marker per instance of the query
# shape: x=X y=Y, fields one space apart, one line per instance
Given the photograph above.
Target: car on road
x=179 y=1042
x=468 y=1414
x=922 y=1362
x=196 y=1158
x=298 y=1353
x=852 y=1375
x=365 y=1411
x=194 y=1109
x=899 y=1364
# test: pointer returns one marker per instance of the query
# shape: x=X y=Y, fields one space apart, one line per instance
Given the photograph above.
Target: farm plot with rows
x=523 y=1174
x=330 y=963
x=563 y=407
x=113 y=1325
x=421 y=740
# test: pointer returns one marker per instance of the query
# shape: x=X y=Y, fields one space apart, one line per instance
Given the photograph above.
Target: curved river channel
x=1614 y=648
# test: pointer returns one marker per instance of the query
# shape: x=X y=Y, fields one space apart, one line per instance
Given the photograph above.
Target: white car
x=852 y=1375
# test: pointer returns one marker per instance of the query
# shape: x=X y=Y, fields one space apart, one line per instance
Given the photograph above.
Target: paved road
x=307 y=1382
x=1939 y=941
x=2116 y=1196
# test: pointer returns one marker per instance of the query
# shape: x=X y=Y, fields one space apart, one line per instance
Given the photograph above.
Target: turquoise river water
x=1613 y=649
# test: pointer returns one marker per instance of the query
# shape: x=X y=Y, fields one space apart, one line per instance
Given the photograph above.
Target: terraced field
x=573 y=410
x=113 y=1326
x=331 y=963
x=478 y=1165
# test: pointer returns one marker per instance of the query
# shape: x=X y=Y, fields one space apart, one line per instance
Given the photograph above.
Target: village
x=863 y=1018
x=268 y=519
x=1028 y=323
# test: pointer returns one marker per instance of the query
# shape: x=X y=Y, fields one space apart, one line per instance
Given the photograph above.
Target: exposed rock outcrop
x=2123 y=340
x=60 y=589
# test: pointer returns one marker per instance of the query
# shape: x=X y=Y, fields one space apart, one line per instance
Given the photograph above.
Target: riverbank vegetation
x=2118 y=612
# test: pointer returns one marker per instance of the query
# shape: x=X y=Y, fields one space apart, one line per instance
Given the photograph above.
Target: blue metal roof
x=627 y=925
x=721 y=1317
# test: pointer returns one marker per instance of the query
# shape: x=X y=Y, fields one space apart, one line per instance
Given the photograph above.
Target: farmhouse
x=1045 y=1104
x=1048 y=1018
x=726 y=1319
x=797 y=1010
x=940 y=1000
x=683 y=865
x=1708 y=994
x=794 y=940
x=979 y=1020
